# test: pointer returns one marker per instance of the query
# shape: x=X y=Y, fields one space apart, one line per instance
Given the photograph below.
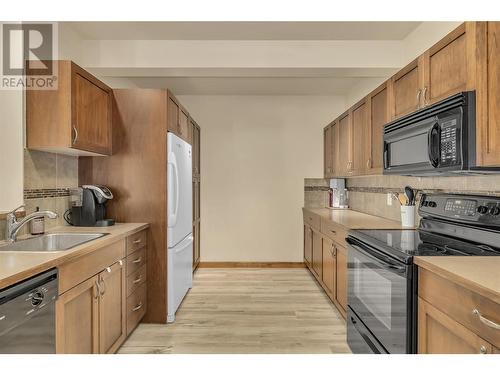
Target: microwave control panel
x=450 y=143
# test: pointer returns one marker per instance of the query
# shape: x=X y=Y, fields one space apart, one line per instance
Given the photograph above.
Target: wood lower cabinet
x=317 y=254
x=308 y=244
x=341 y=282
x=112 y=315
x=74 y=119
x=95 y=314
x=77 y=319
x=329 y=267
x=440 y=334
x=454 y=319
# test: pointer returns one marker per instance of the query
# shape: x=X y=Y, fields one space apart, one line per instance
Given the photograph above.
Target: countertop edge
x=457 y=279
x=79 y=251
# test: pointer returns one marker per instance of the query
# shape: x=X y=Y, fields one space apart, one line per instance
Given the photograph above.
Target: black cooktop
x=404 y=244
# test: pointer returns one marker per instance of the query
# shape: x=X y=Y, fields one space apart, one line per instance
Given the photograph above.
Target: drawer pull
x=120 y=262
x=138 y=307
x=483 y=350
x=485 y=321
x=334 y=232
x=138 y=280
x=138 y=260
x=108 y=269
x=137 y=241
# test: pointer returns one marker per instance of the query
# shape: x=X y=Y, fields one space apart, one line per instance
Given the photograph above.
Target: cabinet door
x=335 y=149
x=488 y=115
x=91 y=113
x=172 y=115
x=328 y=151
x=440 y=334
x=77 y=319
x=360 y=138
x=406 y=93
x=344 y=155
x=308 y=243
x=341 y=293
x=196 y=198
x=112 y=308
x=183 y=127
x=317 y=253
x=196 y=148
x=378 y=109
x=329 y=265
x=446 y=66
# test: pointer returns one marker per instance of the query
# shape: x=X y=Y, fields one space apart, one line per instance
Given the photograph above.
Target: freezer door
x=180 y=274
x=180 y=189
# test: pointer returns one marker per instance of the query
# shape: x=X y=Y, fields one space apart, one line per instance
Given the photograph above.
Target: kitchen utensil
x=410 y=194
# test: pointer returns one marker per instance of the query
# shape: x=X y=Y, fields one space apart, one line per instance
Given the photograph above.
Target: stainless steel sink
x=52 y=242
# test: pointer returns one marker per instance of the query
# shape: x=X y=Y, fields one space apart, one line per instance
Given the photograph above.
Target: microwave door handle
x=433 y=159
x=386 y=155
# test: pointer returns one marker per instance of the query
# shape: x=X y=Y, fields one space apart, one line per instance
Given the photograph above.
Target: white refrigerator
x=180 y=222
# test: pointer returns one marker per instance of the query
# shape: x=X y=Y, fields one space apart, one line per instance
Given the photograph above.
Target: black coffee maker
x=89 y=206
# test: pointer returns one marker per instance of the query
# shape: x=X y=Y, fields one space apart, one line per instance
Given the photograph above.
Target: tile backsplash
x=47 y=180
x=316 y=192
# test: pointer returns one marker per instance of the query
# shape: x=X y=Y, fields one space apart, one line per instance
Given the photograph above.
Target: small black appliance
x=89 y=207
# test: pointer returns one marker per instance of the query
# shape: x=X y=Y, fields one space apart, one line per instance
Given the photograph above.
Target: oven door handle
x=383 y=261
x=434 y=159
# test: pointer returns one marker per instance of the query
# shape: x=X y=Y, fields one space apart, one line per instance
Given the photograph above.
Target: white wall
x=256 y=151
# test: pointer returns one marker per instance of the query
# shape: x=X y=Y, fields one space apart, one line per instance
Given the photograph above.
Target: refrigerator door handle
x=172 y=217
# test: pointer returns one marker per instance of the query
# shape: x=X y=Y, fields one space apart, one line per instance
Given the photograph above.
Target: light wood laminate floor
x=247 y=311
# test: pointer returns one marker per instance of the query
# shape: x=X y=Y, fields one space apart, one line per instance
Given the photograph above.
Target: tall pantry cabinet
x=136 y=173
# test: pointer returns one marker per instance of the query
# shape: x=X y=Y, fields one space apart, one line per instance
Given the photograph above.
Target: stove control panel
x=463 y=208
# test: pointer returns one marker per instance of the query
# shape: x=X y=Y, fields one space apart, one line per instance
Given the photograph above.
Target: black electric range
x=382 y=280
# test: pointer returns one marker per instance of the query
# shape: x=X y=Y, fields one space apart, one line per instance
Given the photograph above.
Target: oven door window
x=378 y=294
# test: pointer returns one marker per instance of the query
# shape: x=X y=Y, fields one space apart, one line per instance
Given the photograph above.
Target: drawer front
x=136 y=241
x=334 y=231
x=82 y=268
x=136 y=279
x=136 y=260
x=136 y=307
x=463 y=305
x=312 y=219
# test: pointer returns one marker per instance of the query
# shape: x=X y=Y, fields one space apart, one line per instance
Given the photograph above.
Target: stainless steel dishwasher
x=27 y=315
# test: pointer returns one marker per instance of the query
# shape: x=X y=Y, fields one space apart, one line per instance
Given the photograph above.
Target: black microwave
x=438 y=139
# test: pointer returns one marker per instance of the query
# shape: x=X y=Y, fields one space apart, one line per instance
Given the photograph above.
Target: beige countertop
x=351 y=219
x=479 y=274
x=16 y=266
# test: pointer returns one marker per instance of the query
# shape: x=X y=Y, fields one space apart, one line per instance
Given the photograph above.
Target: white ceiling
x=244 y=30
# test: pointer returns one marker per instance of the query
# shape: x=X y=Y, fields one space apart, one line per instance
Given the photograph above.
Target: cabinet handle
x=103 y=287
x=369 y=163
x=108 y=269
x=334 y=232
x=76 y=134
x=120 y=262
x=138 y=280
x=137 y=241
x=138 y=307
x=424 y=96
x=98 y=286
x=333 y=250
x=419 y=93
x=138 y=260
x=483 y=350
x=485 y=321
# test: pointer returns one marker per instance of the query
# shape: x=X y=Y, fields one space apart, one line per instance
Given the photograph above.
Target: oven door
x=413 y=148
x=380 y=293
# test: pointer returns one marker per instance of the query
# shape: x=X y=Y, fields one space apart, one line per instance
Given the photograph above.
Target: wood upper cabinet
x=440 y=334
x=488 y=94
x=76 y=118
x=196 y=137
x=341 y=277
x=327 y=152
x=406 y=89
x=112 y=308
x=450 y=65
x=329 y=266
x=345 y=147
x=77 y=319
x=360 y=138
x=308 y=244
x=378 y=116
x=317 y=253
x=178 y=119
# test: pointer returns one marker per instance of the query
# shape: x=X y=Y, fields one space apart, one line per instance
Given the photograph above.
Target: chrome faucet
x=13 y=226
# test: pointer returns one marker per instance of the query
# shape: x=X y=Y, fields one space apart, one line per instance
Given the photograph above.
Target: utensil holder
x=408 y=216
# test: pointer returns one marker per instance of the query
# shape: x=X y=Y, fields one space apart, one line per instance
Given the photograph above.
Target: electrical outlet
x=389 y=199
